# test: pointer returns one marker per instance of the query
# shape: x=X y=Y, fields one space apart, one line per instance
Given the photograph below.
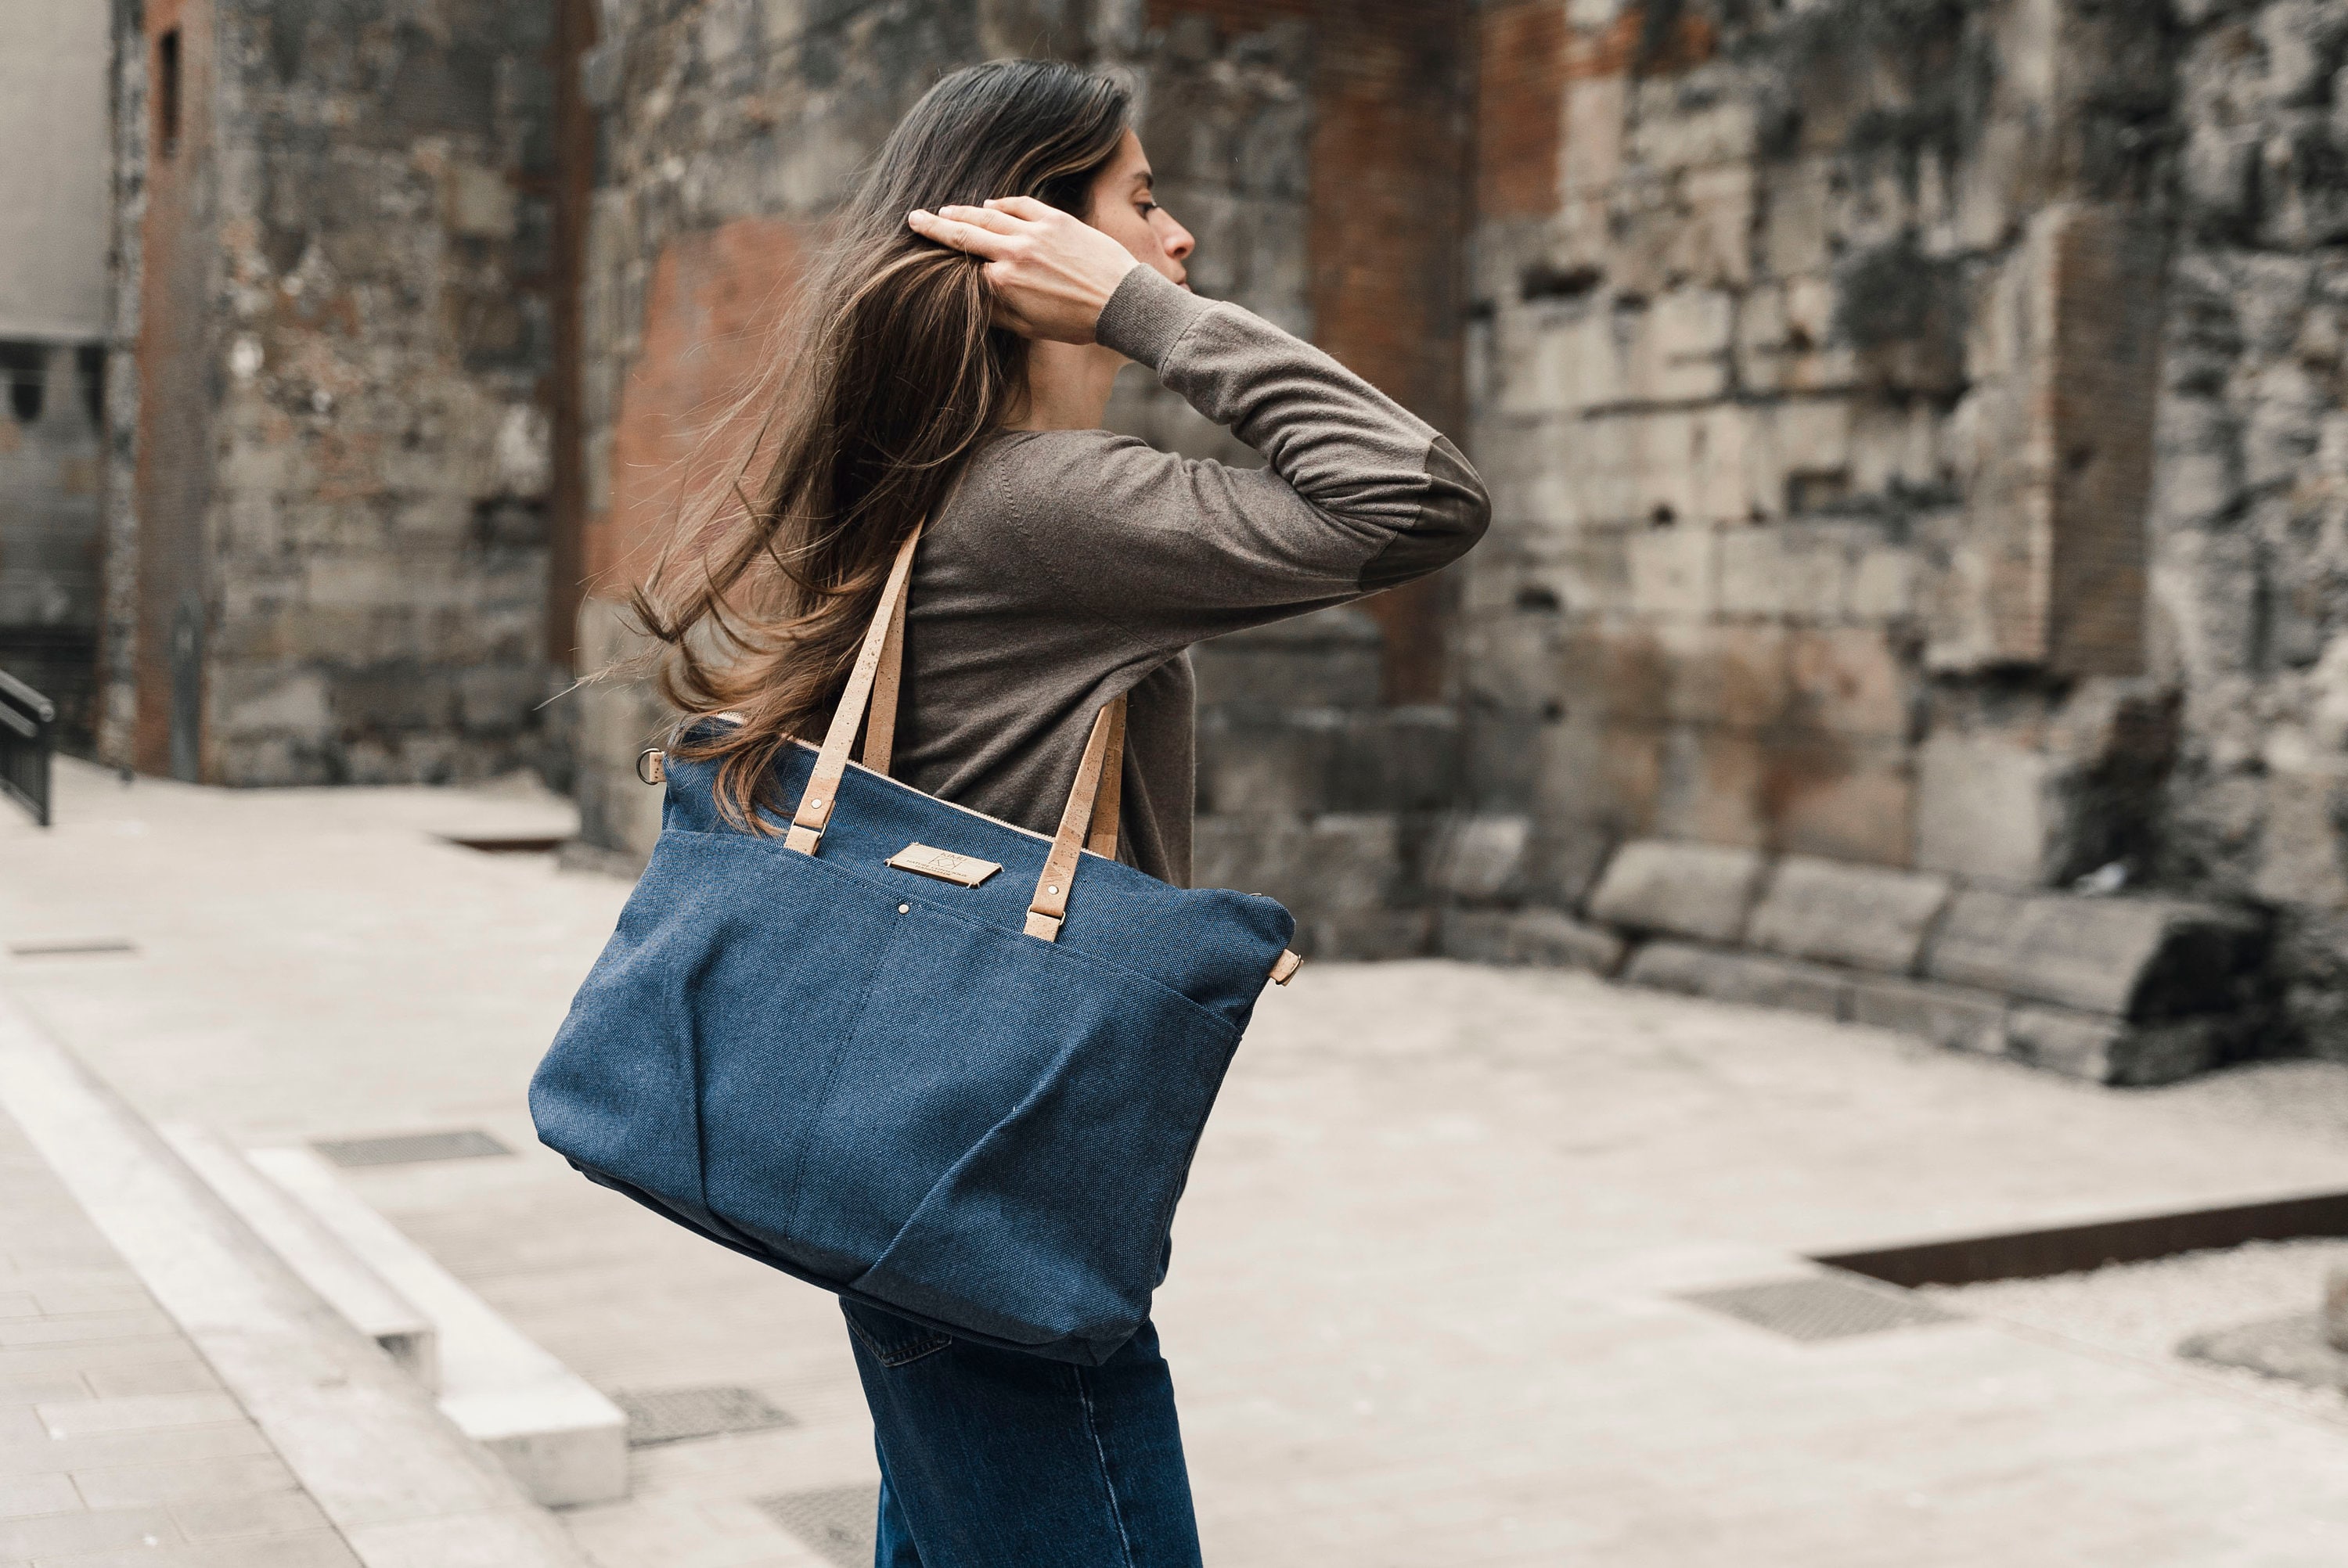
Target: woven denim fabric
x=875 y=1081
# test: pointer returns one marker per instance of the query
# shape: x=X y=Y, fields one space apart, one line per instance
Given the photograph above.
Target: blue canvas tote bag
x=905 y=1051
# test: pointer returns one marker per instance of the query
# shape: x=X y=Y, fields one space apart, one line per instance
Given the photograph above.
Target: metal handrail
x=28 y=743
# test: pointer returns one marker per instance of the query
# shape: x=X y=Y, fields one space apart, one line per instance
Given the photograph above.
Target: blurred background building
x=54 y=223
x=1918 y=582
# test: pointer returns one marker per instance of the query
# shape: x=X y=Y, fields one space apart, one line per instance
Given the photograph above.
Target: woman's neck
x=1067 y=387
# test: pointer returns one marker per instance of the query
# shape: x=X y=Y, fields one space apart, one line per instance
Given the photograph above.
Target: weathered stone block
x=1986 y=809
x=1317 y=866
x=1712 y=673
x=1546 y=938
x=1693 y=970
x=2102 y=1049
x=1713 y=787
x=1367 y=934
x=616 y=720
x=1306 y=760
x=1479 y=858
x=1796 y=572
x=1845 y=799
x=1845 y=914
x=1848 y=681
x=2298 y=860
x=1594 y=124
x=1674 y=571
x=1325 y=661
x=2127 y=958
x=1680 y=350
x=1686 y=889
x=1956 y=1016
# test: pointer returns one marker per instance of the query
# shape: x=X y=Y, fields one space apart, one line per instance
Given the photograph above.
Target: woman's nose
x=1179 y=242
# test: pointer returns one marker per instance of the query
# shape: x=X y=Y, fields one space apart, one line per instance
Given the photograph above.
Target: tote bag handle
x=1089 y=822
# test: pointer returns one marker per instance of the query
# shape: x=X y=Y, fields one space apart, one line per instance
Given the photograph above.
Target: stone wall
x=1915 y=428
x=327 y=531
x=2250 y=515
x=1812 y=367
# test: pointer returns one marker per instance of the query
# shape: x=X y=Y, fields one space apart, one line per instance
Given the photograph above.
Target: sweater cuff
x=1147 y=314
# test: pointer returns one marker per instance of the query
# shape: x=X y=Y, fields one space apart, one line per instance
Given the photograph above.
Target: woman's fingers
x=1022 y=207
x=986 y=217
x=958 y=234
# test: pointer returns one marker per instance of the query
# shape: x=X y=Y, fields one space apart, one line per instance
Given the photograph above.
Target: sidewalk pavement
x=1428 y=1303
x=117 y=1444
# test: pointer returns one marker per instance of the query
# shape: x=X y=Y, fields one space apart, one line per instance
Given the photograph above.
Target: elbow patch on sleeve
x=1450 y=520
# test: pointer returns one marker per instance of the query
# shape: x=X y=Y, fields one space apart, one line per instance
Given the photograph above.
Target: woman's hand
x=1051 y=272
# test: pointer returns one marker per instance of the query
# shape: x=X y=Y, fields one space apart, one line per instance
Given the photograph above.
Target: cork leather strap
x=869 y=701
x=814 y=813
x=1080 y=826
x=880 y=723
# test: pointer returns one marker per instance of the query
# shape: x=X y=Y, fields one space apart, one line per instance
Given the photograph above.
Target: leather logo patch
x=968 y=870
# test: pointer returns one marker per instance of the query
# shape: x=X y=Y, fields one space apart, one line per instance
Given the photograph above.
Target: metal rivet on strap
x=815 y=800
x=1050 y=889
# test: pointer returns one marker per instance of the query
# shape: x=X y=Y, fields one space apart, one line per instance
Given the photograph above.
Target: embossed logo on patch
x=968 y=870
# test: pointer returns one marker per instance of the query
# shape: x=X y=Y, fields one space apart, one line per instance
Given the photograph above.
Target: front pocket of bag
x=782 y=955
x=1054 y=1103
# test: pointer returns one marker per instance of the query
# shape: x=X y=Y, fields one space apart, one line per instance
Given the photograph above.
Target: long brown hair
x=887 y=374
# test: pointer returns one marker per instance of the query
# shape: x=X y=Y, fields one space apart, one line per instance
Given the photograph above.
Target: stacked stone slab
x=2123 y=990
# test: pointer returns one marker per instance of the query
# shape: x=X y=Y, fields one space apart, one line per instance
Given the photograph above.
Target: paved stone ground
x=1425 y=1307
x=117 y=1444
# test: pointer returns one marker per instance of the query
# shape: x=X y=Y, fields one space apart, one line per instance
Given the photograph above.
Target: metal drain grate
x=411 y=1148
x=1817 y=1307
x=838 y=1523
x=675 y=1415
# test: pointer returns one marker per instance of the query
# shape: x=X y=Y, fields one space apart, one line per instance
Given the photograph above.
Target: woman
x=1003 y=258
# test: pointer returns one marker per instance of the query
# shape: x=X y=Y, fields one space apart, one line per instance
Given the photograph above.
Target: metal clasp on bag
x=652 y=765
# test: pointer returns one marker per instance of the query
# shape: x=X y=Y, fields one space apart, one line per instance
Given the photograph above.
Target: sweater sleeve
x=1358 y=494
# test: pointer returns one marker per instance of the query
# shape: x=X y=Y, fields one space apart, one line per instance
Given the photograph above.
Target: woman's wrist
x=1147 y=314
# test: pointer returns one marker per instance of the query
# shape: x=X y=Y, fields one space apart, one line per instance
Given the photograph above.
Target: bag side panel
x=617 y=1091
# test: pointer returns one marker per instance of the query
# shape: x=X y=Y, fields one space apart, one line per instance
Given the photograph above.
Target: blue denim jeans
x=993 y=1458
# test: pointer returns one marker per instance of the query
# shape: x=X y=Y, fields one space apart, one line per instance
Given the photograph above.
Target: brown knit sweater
x=1074 y=565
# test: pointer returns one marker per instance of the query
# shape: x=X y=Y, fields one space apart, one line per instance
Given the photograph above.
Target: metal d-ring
x=651 y=765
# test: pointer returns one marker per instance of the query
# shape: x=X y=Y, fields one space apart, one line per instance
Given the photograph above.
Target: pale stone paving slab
x=399 y=1485
x=91 y=1472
